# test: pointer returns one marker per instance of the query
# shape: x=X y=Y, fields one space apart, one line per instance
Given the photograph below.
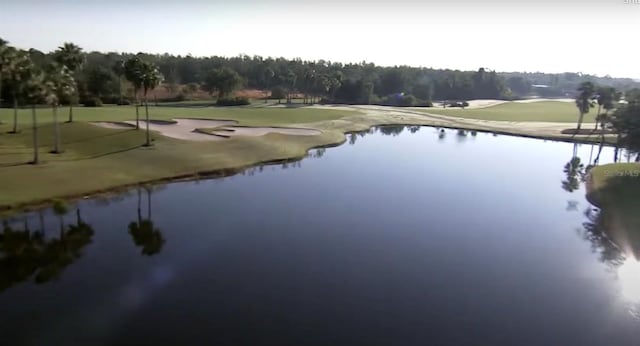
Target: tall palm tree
x=71 y=56
x=133 y=73
x=151 y=77
x=584 y=100
x=34 y=91
x=58 y=84
x=17 y=69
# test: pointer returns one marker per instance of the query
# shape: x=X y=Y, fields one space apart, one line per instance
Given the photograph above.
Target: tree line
x=100 y=76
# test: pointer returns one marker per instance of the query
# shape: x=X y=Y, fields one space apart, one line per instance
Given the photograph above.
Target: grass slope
x=547 y=111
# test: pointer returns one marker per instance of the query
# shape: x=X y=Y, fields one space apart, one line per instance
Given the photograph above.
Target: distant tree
x=71 y=56
x=119 y=70
x=99 y=81
x=133 y=73
x=519 y=85
x=423 y=91
x=269 y=74
x=223 y=80
x=4 y=62
x=584 y=100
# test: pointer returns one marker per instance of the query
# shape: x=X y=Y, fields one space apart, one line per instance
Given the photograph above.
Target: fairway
x=270 y=115
x=545 y=111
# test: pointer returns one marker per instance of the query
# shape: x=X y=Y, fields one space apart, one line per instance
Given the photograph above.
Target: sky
x=590 y=36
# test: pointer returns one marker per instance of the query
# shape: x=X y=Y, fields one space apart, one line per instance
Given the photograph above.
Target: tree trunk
x=35 y=134
x=56 y=131
x=597 y=117
x=137 y=109
x=15 y=113
x=580 y=121
x=120 y=88
x=71 y=111
x=155 y=98
x=146 y=110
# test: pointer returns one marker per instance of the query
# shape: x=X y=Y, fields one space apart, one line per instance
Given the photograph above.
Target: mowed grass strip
x=544 y=111
x=244 y=115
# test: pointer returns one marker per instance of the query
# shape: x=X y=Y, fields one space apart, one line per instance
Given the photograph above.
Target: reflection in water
x=391 y=130
x=144 y=233
x=574 y=171
x=27 y=255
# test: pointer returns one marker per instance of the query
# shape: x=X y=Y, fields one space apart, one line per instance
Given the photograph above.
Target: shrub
x=278 y=93
x=93 y=102
x=233 y=101
x=422 y=103
x=398 y=100
x=124 y=102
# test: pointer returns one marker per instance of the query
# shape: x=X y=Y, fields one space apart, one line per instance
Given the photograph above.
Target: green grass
x=547 y=111
x=244 y=115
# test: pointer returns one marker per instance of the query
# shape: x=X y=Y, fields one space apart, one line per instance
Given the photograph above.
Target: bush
x=278 y=93
x=93 y=102
x=233 y=101
x=178 y=98
x=125 y=102
x=458 y=104
x=398 y=100
x=422 y=103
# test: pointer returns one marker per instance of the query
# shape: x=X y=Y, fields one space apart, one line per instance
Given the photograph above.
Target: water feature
x=409 y=236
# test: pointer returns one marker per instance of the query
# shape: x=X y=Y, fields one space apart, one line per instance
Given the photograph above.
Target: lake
x=401 y=236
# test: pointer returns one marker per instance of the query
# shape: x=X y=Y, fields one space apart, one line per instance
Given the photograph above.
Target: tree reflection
x=391 y=130
x=143 y=232
x=574 y=172
x=414 y=129
x=26 y=255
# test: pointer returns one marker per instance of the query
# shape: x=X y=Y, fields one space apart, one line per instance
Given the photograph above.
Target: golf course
x=97 y=158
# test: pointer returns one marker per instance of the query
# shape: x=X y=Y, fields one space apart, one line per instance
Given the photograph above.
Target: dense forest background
x=185 y=78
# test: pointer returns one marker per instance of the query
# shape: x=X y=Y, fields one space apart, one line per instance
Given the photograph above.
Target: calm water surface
x=399 y=239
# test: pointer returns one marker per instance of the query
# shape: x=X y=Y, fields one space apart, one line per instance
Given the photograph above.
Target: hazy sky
x=591 y=36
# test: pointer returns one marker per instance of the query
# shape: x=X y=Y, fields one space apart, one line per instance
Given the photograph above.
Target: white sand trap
x=231 y=131
x=113 y=125
x=184 y=128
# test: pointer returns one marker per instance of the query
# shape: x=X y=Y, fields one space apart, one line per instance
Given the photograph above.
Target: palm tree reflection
x=143 y=232
x=27 y=255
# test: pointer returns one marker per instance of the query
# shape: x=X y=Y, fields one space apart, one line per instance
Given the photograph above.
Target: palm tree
x=17 y=69
x=118 y=69
x=584 y=100
x=151 y=77
x=34 y=91
x=58 y=84
x=71 y=56
x=133 y=73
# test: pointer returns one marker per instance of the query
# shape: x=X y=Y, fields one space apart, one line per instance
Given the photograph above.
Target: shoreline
x=354 y=126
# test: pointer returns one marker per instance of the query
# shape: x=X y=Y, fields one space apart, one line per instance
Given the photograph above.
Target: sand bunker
x=261 y=131
x=188 y=129
x=113 y=125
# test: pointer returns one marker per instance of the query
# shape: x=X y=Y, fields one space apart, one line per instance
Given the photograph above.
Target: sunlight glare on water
x=629 y=277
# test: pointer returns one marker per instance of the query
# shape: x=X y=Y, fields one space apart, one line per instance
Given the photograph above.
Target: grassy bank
x=546 y=111
x=615 y=189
